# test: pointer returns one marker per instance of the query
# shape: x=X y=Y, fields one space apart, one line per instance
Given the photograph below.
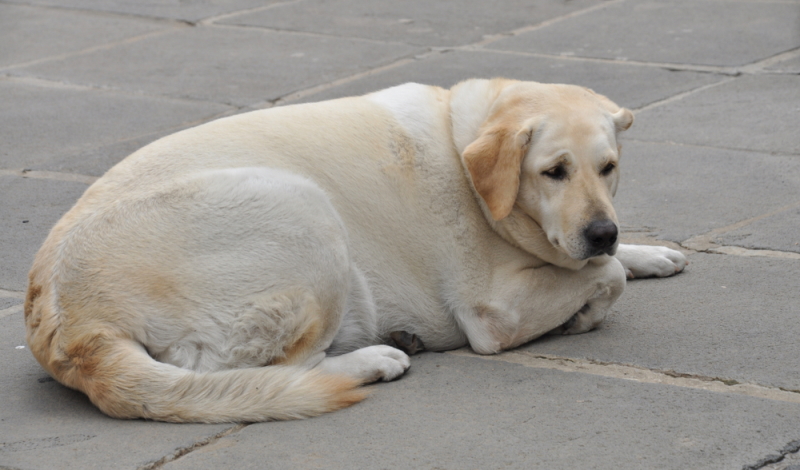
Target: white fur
x=650 y=261
x=226 y=271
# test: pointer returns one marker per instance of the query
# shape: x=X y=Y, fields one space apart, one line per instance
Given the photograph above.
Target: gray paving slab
x=756 y=112
x=187 y=11
x=453 y=412
x=726 y=316
x=629 y=85
x=238 y=66
x=790 y=66
x=6 y=302
x=418 y=22
x=44 y=425
x=33 y=33
x=671 y=31
x=30 y=208
x=50 y=126
x=675 y=192
x=779 y=232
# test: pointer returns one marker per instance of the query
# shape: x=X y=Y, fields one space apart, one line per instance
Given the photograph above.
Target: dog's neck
x=470 y=103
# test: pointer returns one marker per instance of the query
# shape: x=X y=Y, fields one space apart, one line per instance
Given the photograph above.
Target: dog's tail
x=121 y=379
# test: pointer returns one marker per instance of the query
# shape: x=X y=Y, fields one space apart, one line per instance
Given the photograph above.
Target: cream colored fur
x=247 y=269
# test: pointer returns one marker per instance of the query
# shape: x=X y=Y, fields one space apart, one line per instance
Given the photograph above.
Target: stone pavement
x=698 y=371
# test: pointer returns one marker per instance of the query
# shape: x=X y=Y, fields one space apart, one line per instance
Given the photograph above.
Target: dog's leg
x=650 y=261
x=369 y=364
x=359 y=326
x=533 y=302
x=591 y=314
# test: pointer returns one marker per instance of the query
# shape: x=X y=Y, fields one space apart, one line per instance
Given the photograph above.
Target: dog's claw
x=407 y=342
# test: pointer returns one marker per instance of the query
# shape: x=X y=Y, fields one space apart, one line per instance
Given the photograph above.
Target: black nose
x=601 y=235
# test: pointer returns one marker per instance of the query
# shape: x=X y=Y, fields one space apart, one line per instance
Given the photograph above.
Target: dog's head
x=544 y=162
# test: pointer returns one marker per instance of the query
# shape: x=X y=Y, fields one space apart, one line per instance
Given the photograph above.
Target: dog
x=255 y=267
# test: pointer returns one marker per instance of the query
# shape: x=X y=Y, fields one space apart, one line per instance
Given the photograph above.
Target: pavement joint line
x=704 y=242
x=771 y=153
x=12 y=294
x=311 y=34
x=760 y=65
x=89 y=50
x=490 y=38
x=746 y=252
x=638 y=374
x=106 y=13
x=213 y=19
x=673 y=67
x=790 y=448
x=48 y=83
x=7 y=312
x=44 y=82
x=486 y=39
x=432 y=51
x=296 y=95
x=682 y=95
x=50 y=175
x=197 y=445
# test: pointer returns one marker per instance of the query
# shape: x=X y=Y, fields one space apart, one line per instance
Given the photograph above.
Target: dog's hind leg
x=359 y=326
x=379 y=362
x=353 y=351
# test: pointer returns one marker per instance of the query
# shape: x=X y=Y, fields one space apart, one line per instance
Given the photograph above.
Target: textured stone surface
x=726 y=316
x=678 y=191
x=790 y=66
x=6 y=303
x=181 y=10
x=32 y=34
x=671 y=31
x=628 y=85
x=238 y=66
x=779 y=232
x=754 y=112
x=49 y=126
x=417 y=22
x=30 y=208
x=452 y=412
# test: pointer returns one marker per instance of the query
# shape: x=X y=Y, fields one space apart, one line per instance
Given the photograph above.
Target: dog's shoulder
x=422 y=110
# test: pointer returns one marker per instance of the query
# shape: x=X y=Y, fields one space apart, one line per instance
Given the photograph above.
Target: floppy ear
x=622 y=119
x=494 y=162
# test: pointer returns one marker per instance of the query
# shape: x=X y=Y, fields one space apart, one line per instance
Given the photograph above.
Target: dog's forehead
x=576 y=131
x=564 y=107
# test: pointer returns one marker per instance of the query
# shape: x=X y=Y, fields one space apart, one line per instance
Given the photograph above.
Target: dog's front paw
x=586 y=319
x=650 y=261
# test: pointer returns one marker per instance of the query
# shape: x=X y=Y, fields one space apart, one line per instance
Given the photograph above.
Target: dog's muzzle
x=601 y=237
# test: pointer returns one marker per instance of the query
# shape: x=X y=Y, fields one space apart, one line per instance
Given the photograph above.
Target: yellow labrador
x=249 y=268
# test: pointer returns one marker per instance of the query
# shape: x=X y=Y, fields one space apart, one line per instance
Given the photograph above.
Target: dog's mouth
x=552 y=239
x=589 y=251
x=610 y=251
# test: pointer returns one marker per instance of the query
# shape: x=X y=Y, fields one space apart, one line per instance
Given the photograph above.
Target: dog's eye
x=556 y=173
x=608 y=169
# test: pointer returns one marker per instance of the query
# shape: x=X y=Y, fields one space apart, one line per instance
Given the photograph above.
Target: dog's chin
x=584 y=253
x=589 y=254
x=581 y=254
